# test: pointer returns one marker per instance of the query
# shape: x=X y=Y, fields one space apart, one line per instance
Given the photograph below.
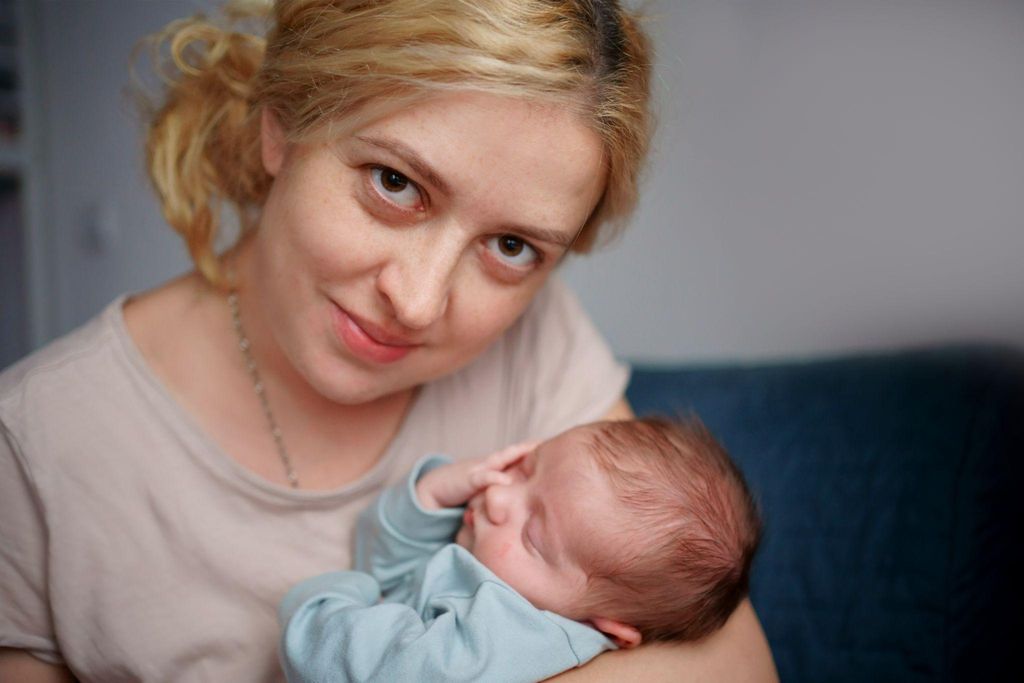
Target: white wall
x=106 y=234
x=828 y=175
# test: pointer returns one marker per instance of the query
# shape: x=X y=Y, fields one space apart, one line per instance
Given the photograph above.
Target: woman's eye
x=513 y=251
x=395 y=187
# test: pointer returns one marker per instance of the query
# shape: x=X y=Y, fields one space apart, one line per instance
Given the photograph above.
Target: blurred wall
x=828 y=175
x=104 y=230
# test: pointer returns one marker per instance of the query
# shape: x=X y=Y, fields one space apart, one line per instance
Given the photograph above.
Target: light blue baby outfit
x=422 y=609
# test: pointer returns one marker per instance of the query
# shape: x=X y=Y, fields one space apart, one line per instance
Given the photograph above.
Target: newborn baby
x=608 y=535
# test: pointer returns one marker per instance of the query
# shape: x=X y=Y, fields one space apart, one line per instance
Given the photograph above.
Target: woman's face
x=397 y=253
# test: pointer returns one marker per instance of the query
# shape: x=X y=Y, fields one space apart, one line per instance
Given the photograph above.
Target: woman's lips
x=368 y=345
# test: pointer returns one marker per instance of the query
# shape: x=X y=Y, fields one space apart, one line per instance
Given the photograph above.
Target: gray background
x=828 y=176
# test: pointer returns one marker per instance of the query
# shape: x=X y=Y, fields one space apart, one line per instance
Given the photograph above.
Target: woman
x=408 y=175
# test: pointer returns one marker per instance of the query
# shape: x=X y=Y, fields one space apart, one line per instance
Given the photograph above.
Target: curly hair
x=325 y=65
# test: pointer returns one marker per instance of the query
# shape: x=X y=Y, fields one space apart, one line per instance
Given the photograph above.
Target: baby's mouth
x=467 y=517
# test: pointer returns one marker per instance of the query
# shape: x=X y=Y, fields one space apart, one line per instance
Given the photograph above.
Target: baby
x=609 y=535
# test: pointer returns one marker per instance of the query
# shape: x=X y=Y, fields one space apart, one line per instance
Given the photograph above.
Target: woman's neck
x=185 y=333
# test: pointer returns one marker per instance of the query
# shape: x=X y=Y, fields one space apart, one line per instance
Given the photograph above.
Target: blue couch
x=892 y=489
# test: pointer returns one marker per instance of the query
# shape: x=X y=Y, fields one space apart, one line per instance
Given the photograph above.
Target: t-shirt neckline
x=205 y=450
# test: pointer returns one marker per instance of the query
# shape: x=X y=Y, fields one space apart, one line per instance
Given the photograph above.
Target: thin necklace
x=261 y=392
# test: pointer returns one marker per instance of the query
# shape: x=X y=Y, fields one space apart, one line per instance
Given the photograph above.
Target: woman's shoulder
x=125 y=327
x=86 y=384
x=100 y=378
x=70 y=360
x=52 y=400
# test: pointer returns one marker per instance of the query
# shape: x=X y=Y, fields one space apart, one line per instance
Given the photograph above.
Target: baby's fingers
x=482 y=478
x=513 y=453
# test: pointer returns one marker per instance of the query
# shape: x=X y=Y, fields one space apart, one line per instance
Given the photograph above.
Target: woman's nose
x=417 y=284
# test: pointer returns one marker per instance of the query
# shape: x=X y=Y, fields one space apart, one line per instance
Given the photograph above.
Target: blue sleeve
x=395 y=535
x=477 y=628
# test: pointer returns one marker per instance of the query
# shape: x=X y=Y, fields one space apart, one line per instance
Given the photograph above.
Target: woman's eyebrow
x=411 y=157
x=558 y=238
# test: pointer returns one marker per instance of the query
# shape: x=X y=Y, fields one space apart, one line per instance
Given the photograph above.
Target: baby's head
x=644 y=528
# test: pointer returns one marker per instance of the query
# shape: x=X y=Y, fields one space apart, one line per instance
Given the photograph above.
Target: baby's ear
x=624 y=635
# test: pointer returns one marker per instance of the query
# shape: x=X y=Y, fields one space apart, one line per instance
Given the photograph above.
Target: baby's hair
x=692 y=529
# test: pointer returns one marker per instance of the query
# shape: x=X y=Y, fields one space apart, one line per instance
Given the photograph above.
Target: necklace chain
x=261 y=392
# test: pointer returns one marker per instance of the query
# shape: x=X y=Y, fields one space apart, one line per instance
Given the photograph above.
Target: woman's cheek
x=341 y=247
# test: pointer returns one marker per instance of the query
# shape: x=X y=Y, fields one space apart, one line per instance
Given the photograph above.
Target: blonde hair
x=324 y=63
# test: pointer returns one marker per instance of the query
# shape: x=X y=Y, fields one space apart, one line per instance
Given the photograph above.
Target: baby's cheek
x=495 y=556
x=465 y=538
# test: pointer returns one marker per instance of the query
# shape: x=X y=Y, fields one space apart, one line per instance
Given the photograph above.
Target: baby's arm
x=478 y=629
x=412 y=520
x=395 y=534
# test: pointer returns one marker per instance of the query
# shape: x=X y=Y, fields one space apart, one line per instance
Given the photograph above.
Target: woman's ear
x=624 y=635
x=272 y=142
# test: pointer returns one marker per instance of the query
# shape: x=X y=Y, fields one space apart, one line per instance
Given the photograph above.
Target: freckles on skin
x=320 y=240
x=557 y=194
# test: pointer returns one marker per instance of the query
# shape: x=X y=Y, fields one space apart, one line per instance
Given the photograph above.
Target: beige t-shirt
x=133 y=548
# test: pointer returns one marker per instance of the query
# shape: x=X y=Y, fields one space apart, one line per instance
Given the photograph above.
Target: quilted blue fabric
x=892 y=489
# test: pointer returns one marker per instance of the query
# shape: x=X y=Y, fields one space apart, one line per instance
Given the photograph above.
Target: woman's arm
x=737 y=652
x=17 y=665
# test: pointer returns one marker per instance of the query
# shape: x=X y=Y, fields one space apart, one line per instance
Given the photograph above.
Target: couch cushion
x=891 y=487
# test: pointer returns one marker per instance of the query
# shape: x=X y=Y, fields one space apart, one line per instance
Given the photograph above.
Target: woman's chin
x=358 y=395
x=344 y=383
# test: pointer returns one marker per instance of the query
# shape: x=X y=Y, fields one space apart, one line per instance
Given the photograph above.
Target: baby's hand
x=452 y=485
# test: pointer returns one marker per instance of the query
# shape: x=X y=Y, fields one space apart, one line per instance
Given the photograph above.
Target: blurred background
x=828 y=176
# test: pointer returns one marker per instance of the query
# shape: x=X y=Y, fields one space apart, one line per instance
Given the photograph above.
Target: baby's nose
x=496 y=504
